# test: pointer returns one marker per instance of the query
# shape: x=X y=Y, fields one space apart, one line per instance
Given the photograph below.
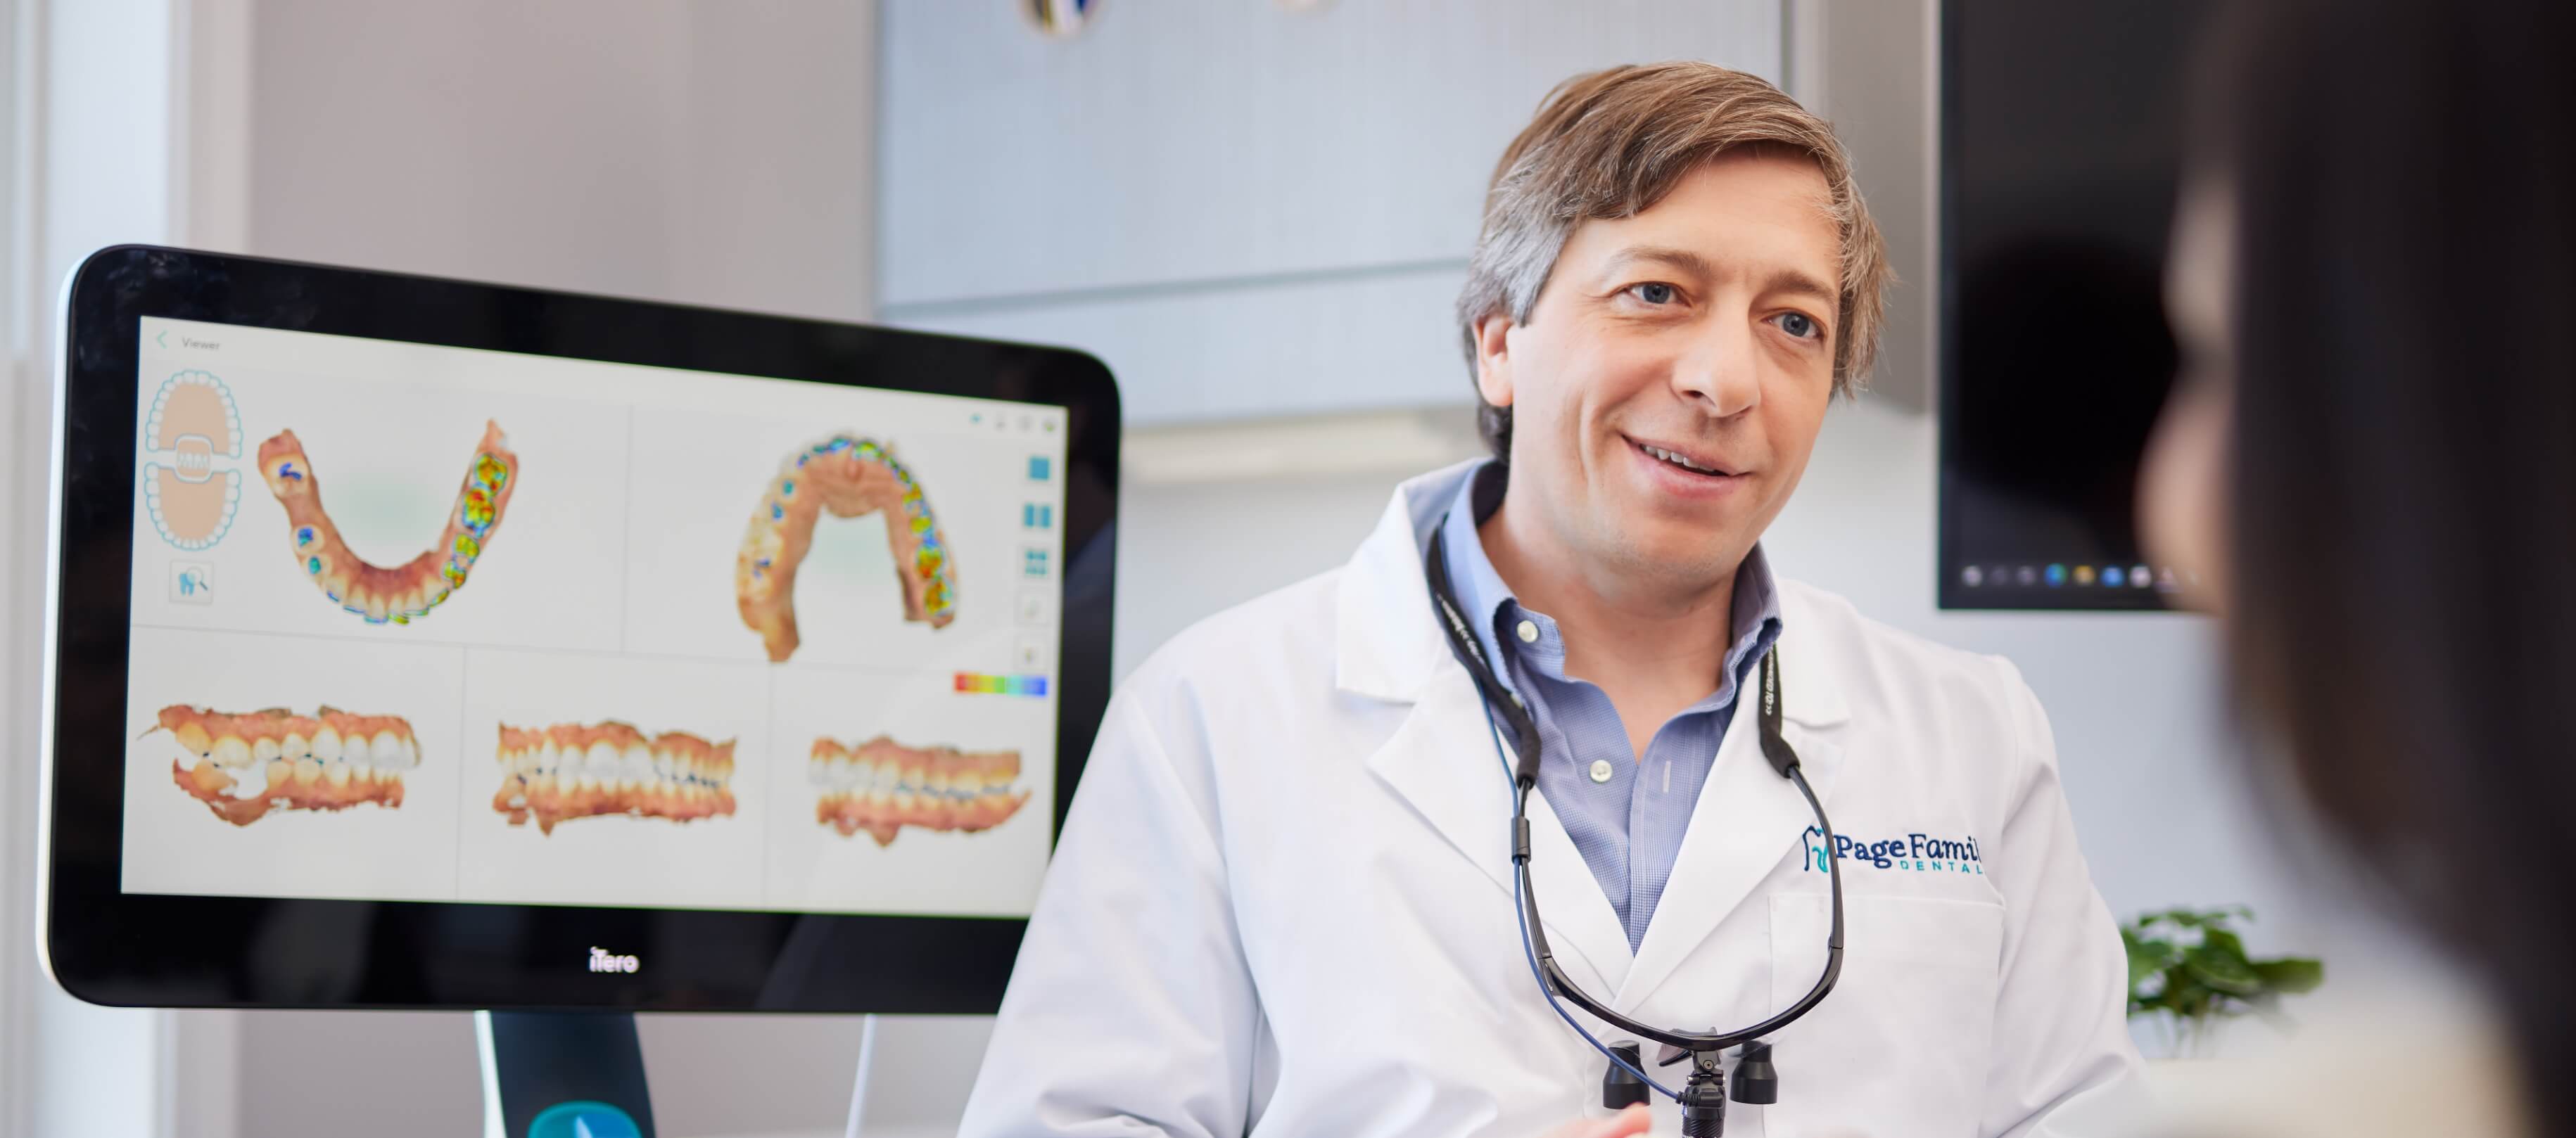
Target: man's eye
x=1798 y=324
x=1652 y=293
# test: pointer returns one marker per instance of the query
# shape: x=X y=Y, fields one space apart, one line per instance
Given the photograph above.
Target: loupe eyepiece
x=1757 y=1082
x=1620 y=1088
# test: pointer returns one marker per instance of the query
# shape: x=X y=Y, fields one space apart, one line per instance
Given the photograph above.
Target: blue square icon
x=1041 y=468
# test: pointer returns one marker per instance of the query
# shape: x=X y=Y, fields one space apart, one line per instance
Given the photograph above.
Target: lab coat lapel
x=1748 y=817
x=1441 y=759
x=1570 y=900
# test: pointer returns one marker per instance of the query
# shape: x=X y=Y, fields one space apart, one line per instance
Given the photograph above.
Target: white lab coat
x=1282 y=904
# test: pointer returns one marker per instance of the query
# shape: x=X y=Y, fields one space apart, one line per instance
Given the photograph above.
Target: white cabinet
x=1245 y=208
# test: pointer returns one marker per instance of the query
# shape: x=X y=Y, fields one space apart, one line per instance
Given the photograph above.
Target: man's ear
x=1493 y=359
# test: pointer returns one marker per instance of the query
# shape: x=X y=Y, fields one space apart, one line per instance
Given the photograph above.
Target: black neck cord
x=1498 y=700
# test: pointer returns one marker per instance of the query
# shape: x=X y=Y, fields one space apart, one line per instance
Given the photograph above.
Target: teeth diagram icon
x=245 y=765
x=881 y=786
x=849 y=477
x=195 y=427
x=401 y=594
x=555 y=774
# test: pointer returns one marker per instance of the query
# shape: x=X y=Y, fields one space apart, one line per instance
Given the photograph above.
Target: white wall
x=89 y=136
x=710 y=153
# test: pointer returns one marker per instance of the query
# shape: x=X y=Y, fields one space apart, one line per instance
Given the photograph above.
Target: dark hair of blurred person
x=2374 y=447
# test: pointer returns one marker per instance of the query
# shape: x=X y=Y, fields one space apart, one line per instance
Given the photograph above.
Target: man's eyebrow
x=1785 y=281
x=1682 y=259
x=1795 y=283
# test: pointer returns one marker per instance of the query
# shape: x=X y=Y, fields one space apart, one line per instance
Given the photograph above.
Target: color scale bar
x=977 y=683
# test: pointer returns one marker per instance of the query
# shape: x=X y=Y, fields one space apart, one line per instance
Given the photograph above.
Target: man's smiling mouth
x=1702 y=465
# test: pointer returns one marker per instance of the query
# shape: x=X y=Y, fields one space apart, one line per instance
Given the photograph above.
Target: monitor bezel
x=111 y=947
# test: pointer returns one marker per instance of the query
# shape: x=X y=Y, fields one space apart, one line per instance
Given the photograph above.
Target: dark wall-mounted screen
x=2060 y=146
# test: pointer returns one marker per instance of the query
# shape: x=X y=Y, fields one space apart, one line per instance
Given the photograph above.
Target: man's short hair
x=1611 y=144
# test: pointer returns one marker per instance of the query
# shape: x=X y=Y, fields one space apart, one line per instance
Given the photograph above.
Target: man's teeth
x=1675 y=459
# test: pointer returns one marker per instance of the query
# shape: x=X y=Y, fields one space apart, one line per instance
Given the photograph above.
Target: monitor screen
x=2060 y=149
x=425 y=623
x=423 y=643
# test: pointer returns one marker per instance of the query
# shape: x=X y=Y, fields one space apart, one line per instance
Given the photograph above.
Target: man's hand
x=1633 y=1120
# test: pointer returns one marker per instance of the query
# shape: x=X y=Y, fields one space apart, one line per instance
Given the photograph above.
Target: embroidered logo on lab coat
x=1911 y=853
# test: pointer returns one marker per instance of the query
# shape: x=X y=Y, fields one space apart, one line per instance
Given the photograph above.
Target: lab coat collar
x=1442 y=760
x=1386 y=643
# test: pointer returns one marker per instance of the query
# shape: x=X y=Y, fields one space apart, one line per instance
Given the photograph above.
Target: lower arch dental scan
x=373 y=593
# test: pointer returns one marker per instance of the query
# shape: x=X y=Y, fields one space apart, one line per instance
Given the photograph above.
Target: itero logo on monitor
x=602 y=960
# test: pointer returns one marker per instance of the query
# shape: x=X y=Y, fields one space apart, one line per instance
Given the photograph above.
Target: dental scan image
x=594 y=685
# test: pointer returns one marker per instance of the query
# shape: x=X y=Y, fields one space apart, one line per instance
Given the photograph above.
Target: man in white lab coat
x=1284 y=901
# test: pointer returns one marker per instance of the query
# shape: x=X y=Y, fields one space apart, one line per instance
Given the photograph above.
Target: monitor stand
x=562 y=1075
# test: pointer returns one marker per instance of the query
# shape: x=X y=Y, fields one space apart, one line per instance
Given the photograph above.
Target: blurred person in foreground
x=2372 y=459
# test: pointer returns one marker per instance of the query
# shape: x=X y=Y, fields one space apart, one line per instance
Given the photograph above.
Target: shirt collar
x=1754 y=623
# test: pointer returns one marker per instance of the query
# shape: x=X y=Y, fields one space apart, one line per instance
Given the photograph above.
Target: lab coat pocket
x=1900 y=1047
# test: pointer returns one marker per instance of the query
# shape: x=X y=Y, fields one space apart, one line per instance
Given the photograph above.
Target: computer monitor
x=2061 y=146
x=424 y=644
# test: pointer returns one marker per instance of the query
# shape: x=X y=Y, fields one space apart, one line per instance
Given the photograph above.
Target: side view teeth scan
x=244 y=765
x=882 y=786
x=554 y=774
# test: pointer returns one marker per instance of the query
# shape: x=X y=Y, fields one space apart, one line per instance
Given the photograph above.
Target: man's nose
x=1720 y=372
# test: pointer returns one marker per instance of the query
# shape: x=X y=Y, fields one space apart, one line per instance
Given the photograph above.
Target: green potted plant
x=2188 y=972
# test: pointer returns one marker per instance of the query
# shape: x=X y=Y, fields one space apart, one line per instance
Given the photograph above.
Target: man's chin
x=1682 y=558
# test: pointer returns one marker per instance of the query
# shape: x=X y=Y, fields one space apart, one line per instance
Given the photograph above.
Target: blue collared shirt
x=1628 y=826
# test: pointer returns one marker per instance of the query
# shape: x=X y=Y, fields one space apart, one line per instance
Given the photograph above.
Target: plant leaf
x=2189 y=967
x=2291 y=975
x=2147 y=956
x=2223 y=967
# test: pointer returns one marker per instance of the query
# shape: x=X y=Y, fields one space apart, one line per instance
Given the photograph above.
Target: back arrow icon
x=163 y=339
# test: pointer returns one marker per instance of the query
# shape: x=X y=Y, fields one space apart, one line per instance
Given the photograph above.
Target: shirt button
x=1528 y=632
x=1602 y=770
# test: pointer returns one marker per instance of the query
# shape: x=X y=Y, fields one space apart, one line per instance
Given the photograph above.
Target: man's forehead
x=1736 y=215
